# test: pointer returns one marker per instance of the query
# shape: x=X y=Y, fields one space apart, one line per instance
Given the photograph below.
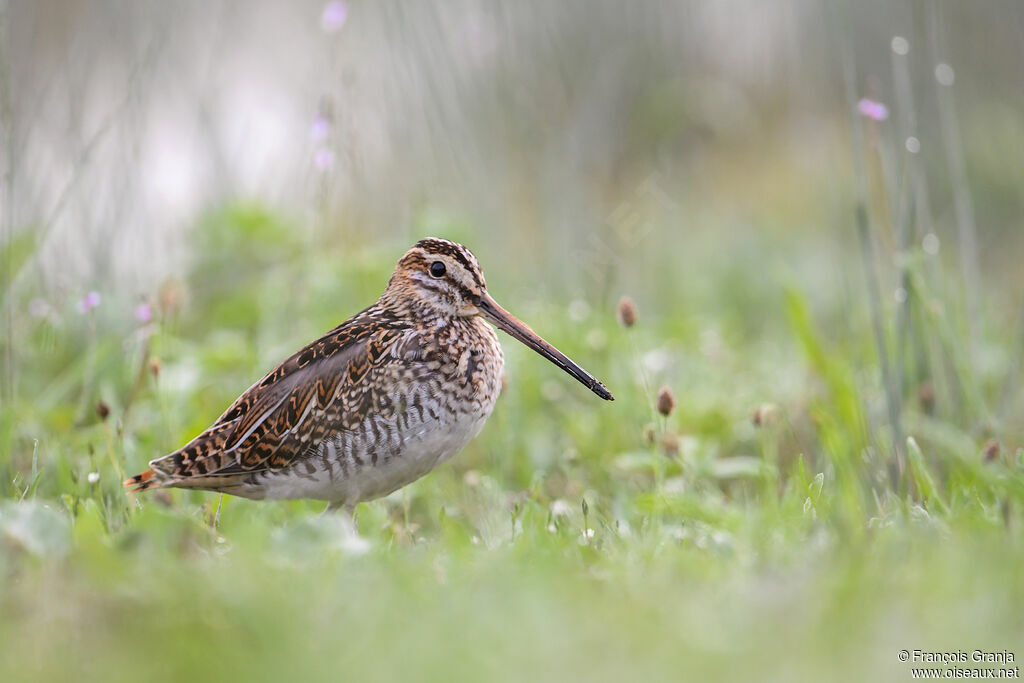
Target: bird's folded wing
x=317 y=391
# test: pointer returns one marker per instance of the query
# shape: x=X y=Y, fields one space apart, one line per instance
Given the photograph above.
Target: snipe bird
x=376 y=403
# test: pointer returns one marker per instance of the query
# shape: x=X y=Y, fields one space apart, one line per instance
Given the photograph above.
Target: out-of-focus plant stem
x=868 y=258
x=962 y=203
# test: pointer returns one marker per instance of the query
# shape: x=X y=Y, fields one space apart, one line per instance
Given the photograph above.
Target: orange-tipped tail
x=141 y=482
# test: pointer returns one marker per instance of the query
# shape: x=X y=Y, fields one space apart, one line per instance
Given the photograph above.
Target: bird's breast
x=427 y=404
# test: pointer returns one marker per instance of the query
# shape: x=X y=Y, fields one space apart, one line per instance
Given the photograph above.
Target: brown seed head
x=154 y=366
x=170 y=297
x=990 y=452
x=103 y=410
x=627 y=312
x=766 y=415
x=666 y=401
x=926 y=396
x=648 y=435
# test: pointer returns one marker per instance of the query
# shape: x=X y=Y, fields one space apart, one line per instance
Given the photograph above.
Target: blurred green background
x=814 y=206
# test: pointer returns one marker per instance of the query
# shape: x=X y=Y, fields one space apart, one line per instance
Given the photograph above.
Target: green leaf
x=919 y=470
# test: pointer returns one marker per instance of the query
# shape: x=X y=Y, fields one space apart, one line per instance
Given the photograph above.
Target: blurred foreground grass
x=709 y=545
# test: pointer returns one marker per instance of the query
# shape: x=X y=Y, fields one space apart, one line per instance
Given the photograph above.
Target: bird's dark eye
x=437 y=269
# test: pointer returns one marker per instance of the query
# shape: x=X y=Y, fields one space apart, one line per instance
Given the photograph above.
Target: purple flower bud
x=91 y=301
x=334 y=16
x=323 y=159
x=873 y=110
x=320 y=128
x=143 y=313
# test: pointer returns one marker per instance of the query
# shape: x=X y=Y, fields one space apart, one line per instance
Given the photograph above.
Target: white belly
x=346 y=472
x=424 y=450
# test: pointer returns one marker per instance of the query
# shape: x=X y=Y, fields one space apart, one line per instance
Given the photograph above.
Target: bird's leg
x=348 y=519
x=336 y=505
x=216 y=517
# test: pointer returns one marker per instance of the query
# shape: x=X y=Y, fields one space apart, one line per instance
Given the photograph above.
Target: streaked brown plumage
x=374 y=404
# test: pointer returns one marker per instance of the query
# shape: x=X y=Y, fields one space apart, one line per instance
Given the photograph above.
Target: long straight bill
x=521 y=331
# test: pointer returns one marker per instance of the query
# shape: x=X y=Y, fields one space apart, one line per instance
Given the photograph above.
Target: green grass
x=711 y=547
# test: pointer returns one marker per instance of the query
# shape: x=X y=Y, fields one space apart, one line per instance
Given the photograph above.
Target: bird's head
x=441 y=280
x=438 y=279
